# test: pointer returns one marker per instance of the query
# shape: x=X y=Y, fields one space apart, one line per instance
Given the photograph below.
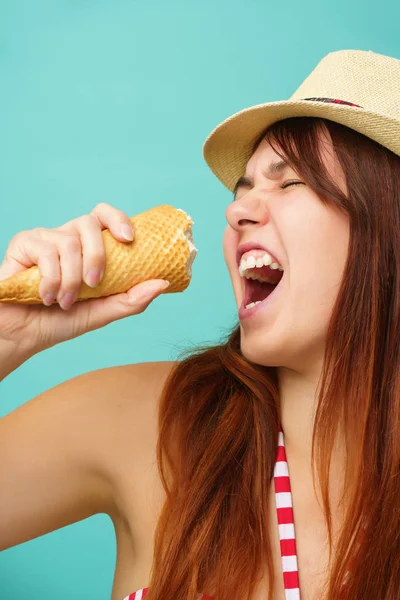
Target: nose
x=250 y=210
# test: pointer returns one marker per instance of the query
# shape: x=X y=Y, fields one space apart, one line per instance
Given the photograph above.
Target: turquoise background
x=111 y=101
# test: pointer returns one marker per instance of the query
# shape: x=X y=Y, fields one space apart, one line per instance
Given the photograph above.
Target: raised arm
x=55 y=450
x=59 y=452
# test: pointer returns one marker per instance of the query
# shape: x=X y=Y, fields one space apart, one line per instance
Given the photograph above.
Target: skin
x=310 y=239
x=111 y=468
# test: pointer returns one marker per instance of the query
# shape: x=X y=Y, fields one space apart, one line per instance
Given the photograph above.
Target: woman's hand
x=67 y=256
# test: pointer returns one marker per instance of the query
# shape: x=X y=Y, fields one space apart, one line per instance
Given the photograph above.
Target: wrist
x=12 y=356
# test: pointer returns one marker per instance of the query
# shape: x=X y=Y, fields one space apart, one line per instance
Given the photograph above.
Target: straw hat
x=355 y=88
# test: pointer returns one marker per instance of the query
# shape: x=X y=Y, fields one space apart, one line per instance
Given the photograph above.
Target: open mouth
x=258 y=291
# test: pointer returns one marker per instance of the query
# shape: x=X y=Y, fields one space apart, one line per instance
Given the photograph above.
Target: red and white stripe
x=284 y=507
x=138 y=595
x=142 y=593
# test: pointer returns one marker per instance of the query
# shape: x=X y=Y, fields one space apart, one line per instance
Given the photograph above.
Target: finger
x=146 y=291
x=93 y=250
x=115 y=220
x=10 y=267
x=27 y=250
x=70 y=251
x=50 y=272
x=108 y=217
x=99 y=312
x=17 y=258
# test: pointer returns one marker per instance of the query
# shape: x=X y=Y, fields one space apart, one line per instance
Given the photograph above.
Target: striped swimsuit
x=287 y=538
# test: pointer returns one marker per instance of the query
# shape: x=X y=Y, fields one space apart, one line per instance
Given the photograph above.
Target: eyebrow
x=271 y=172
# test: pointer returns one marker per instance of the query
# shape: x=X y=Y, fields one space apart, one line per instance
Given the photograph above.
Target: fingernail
x=150 y=290
x=67 y=300
x=127 y=232
x=153 y=288
x=48 y=299
x=92 y=277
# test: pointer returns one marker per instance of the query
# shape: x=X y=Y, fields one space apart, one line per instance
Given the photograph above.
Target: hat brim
x=229 y=146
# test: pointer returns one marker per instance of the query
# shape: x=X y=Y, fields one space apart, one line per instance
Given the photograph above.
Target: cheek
x=230 y=244
x=317 y=234
x=320 y=258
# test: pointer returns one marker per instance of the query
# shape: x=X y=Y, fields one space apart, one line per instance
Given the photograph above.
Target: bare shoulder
x=122 y=388
x=68 y=453
x=127 y=392
x=123 y=406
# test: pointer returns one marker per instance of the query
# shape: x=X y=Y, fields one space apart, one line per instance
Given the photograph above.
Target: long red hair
x=219 y=413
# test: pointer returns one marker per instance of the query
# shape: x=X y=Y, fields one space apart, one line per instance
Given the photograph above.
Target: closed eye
x=288 y=183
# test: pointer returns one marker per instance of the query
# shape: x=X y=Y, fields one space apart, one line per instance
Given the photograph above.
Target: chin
x=258 y=352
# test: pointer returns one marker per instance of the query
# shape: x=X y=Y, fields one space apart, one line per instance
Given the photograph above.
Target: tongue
x=270 y=274
x=259 y=291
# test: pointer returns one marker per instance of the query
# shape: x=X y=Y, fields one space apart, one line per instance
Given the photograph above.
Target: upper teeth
x=261 y=261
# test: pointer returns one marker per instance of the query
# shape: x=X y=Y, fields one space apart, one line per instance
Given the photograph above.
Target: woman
x=317 y=201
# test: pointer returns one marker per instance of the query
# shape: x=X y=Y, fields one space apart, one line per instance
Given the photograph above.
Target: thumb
x=102 y=311
x=146 y=291
x=9 y=268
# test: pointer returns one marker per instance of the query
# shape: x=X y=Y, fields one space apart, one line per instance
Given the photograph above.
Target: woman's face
x=310 y=241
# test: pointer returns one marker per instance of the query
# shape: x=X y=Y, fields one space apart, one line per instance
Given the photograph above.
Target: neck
x=298 y=394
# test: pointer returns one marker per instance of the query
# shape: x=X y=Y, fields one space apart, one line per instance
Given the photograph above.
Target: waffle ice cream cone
x=162 y=249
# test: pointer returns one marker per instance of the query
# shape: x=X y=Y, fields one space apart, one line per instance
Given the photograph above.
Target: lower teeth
x=253 y=304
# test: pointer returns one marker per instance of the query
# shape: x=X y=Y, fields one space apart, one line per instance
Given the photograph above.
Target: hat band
x=333 y=101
